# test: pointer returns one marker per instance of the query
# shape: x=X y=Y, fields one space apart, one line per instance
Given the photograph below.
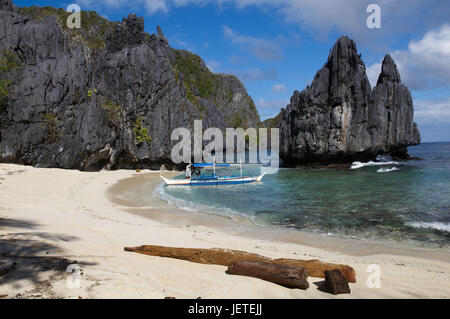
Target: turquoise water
x=397 y=201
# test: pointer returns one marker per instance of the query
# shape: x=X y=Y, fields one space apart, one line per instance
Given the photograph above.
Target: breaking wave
x=387 y=170
x=431 y=225
x=357 y=165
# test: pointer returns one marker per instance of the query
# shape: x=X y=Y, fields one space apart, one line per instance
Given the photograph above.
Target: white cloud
x=321 y=16
x=293 y=39
x=432 y=111
x=156 y=5
x=236 y=59
x=272 y=105
x=152 y=6
x=213 y=65
x=110 y=3
x=268 y=109
x=181 y=43
x=279 y=88
x=425 y=65
x=350 y=16
x=373 y=72
x=427 y=61
x=253 y=75
x=263 y=49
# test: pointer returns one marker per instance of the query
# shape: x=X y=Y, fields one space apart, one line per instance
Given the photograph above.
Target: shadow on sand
x=27 y=259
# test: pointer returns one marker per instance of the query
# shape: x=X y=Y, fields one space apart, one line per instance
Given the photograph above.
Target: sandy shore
x=50 y=218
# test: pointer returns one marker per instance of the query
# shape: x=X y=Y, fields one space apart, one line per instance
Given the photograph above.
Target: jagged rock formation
x=6 y=5
x=339 y=118
x=107 y=95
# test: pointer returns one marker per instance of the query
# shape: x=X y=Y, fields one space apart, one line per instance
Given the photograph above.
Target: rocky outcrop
x=6 y=5
x=161 y=35
x=339 y=118
x=107 y=95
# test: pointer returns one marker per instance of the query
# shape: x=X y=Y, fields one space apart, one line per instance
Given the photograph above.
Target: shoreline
x=47 y=215
x=245 y=227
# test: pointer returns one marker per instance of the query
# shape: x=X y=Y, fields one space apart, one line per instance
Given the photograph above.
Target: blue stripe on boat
x=213 y=183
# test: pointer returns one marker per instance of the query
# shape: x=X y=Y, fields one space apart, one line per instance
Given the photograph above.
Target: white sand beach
x=47 y=215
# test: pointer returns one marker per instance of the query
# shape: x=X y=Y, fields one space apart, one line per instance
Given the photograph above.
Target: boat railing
x=214 y=177
x=203 y=177
x=230 y=176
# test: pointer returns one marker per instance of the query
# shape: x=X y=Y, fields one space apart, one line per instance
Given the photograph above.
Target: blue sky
x=276 y=46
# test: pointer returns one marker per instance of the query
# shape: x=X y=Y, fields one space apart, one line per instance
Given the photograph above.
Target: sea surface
x=387 y=200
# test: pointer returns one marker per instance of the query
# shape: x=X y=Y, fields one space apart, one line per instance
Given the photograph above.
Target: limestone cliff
x=107 y=95
x=339 y=118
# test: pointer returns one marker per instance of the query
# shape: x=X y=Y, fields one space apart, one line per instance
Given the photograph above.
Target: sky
x=276 y=46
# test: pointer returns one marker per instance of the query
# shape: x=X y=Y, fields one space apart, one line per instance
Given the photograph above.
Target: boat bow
x=260 y=177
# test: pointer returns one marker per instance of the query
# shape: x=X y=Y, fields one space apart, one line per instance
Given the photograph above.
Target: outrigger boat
x=195 y=178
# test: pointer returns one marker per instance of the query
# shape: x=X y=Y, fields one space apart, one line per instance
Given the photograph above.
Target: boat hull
x=212 y=182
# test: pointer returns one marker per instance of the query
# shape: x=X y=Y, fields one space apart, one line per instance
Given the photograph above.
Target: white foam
x=387 y=170
x=357 y=165
x=383 y=158
x=433 y=225
x=161 y=193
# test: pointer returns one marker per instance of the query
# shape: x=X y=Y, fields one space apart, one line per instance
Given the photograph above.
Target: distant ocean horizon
x=399 y=201
x=431 y=142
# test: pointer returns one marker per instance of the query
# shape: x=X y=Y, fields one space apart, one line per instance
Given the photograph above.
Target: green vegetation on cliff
x=114 y=113
x=272 y=122
x=198 y=80
x=4 y=92
x=195 y=74
x=238 y=121
x=141 y=132
x=50 y=122
x=252 y=106
x=8 y=61
x=93 y=27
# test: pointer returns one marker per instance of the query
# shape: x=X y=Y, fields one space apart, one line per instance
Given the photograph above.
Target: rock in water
x=339 y=118
x=335 y=283
x=107 y=95
x=290 y=277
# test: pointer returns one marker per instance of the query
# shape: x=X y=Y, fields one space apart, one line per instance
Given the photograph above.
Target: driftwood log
x=335 y=283
x=291 y=277
x=224 y=257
